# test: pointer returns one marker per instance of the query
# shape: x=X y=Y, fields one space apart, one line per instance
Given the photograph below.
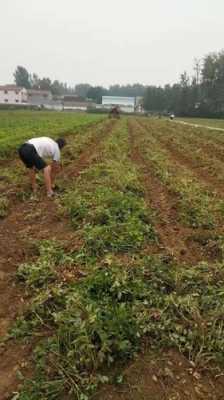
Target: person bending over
x=33 y=153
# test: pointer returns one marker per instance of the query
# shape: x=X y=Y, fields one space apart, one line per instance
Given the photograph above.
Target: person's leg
x=32 y=174
x=55 y=168
x=47 y=180
x=27 y=154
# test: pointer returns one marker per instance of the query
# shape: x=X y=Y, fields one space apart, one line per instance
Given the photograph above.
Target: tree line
x=201 y=94
x=32 y=81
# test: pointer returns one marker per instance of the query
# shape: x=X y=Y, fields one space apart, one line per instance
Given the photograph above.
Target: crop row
x=198 y=207
x=203 y=156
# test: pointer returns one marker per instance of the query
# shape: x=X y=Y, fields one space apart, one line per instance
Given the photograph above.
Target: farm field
x=115 y=289
x=17 y=126
x=216 y=123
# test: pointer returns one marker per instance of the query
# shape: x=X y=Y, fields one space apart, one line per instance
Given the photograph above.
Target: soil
x=163 y=376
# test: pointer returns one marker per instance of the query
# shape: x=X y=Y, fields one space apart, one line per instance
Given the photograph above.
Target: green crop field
x=126 y=260
x=18 y=126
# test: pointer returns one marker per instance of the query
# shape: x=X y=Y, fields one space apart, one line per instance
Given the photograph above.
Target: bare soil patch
x=164 y=376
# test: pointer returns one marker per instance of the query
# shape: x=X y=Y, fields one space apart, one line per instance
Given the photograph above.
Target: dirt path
x=174 y=237
x=199 y=126
x=27 y=222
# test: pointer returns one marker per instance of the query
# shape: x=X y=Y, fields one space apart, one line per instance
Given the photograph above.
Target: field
x=16 y=127
x=115 y=289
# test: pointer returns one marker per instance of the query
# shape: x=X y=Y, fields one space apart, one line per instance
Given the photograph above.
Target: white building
x=12 y=94
x=37 y=97
x=126 y=104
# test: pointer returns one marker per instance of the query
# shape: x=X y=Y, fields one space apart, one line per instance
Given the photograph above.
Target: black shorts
x=30 y=157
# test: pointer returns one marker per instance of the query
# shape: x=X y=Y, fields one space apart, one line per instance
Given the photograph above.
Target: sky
x=104 y=42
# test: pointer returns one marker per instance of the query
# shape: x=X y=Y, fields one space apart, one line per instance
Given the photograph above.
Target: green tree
x=22 y=77
x=95 y=93
x=82 y=89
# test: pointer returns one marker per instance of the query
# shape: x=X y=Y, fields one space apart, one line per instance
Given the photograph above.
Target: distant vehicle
x=114 y=112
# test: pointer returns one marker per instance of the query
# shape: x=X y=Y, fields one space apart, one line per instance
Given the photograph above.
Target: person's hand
x=50 y=194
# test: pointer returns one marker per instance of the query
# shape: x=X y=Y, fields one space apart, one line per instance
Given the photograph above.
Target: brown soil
x=27 y=222
x=173 y=236
x=169 y=376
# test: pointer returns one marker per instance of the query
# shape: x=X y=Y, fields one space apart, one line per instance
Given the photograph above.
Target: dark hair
x=61 y=142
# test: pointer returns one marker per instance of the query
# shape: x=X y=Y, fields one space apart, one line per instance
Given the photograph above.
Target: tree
x=96 y=93
x=82 y=89
x=22 y=77
x=34 y=81
x=213 y=83
x=45 y=84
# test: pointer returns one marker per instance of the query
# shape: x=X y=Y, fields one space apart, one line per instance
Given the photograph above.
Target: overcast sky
x=103 y=42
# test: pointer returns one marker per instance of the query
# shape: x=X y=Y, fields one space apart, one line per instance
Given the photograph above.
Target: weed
x=4 y=206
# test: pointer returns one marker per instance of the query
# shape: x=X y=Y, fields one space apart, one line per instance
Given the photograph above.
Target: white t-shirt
x=46 y=147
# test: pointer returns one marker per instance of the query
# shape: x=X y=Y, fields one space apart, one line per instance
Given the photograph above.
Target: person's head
x=61 y=142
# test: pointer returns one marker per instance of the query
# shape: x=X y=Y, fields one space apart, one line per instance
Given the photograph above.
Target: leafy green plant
x=39 y=273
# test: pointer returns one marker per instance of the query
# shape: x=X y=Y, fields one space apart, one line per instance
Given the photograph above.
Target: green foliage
x=102 y=318
x=39 y=273
x=114 y=221
x=4 y=205
x=18 y=126
x=22 y=77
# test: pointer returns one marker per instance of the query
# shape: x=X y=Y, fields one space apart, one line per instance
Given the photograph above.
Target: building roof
x=11 y=87
x=118 y=100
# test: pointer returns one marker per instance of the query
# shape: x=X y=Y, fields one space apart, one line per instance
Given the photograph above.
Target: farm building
x=12 y=94
x=76 y=103
x=39 y=97
x=125 y=104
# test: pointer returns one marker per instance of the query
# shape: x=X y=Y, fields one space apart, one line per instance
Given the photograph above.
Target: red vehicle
x=114 y=113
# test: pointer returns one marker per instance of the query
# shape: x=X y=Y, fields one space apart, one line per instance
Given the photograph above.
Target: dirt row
x=28 y=222
x=176 y=239
x=186 y=160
